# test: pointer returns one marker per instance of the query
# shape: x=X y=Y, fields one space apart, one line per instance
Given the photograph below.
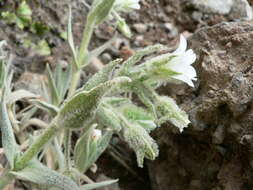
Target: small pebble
x=140 y=28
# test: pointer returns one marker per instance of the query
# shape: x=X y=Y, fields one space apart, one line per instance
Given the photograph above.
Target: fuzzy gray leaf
x=98 y=185
x=80 y=110
x=18 y=95
x=37 y=173
x=8 y=139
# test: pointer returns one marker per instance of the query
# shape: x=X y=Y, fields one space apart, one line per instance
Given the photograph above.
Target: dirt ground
x=215 y=152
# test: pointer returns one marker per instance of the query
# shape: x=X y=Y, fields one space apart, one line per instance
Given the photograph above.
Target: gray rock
x=241 y=10
x=213 y=6
x=223 y=98
x=140 y=28
x=235 y=9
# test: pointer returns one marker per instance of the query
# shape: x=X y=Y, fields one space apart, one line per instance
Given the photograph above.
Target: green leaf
x=80 y=110
x=140 y=116
x=116 y=101
x=39 y=28
x=96 y=52
x=102 y=76
x=50 y=108
x=107 y=117
x=24 y=12
x=168 y=110
x=82 y=150
x=100 y=10
x=124 y=70
x=52 y=87
x=42 y=48
x=139 y=140
x=98 y=185
x=101 y=146
x=18 y=95
x=2 y=74
x=70 y=37
x=8 y=138
x=62 y=79
x=9 y=17
x=39 y=174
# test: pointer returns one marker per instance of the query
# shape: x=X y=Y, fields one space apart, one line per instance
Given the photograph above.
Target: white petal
x=190 y=73
x=96 y=134
x=182 y=46
x=184 y=79
x=189 y=57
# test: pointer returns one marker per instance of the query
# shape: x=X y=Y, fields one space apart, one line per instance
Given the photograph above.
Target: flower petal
x=182 y=46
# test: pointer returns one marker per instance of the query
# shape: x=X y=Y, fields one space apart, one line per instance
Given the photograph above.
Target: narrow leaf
x=65 y=81
x=18 y=95
x=70 y=36
x=8 y=139
x=102 y=145
x=37 y=173
x=98 y=185
x=101 y=10
x=52 y=87
x=138 y=56
x=50 y=108
x=82 y=150
x=96 y=52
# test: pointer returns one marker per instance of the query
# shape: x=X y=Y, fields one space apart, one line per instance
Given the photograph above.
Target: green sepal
x=107 y=117
x=138 y=115
x=140 y=141
x=168 y=110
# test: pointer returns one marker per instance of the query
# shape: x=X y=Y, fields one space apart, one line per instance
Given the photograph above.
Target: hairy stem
x=36 y=147
x=5 y=179
x=67 y=145
x=87 y=34
x=74 y=82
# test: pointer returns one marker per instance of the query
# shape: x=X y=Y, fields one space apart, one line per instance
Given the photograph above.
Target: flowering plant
x=100 y=108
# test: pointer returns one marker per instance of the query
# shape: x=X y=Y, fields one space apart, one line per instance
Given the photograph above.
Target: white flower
x=126 y=5
x=182 y=62
x=96 y=134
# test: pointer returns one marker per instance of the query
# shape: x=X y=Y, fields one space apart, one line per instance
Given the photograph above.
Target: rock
x=213 y=6
x=140 y=28
x=241 y=9
x=214 y=157
x=235 y=9
x=106 y=57
x=173 y=31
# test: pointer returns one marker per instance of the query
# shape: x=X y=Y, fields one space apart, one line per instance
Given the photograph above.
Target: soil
x=215 y=152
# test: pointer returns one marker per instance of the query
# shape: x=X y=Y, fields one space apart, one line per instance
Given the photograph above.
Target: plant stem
x=5 y=179
x=67 y=145
x=36 y=147
x=87 y=34
x=74 y=81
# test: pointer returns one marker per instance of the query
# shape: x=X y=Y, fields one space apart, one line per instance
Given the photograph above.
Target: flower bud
x=124 y=28
x=168 y=110
x=126 y=5
x=139 y=140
